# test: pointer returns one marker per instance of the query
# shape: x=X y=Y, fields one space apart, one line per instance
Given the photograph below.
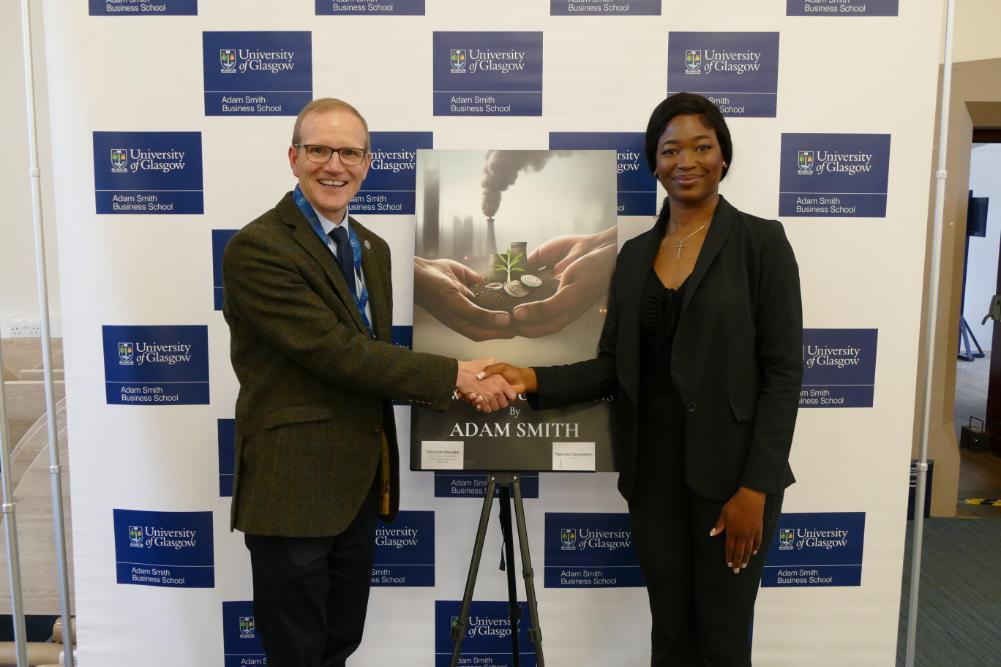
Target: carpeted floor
x=979 y=472
x=959 y=601
x=959 y=606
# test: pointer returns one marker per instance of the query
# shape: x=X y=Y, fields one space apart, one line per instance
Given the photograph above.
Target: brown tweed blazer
x=316 y=390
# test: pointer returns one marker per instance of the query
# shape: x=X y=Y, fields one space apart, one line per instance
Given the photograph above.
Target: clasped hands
x=483 y=392
x=582 y=263
x=489 y=386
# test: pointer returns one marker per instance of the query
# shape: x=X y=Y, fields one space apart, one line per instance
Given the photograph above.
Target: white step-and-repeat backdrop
x=171 y=121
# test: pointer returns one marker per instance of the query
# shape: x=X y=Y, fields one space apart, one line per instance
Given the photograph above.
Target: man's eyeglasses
x=350 y=157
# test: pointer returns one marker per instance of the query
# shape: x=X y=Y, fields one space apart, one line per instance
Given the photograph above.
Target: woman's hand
x=741 y=519
x=522 y=380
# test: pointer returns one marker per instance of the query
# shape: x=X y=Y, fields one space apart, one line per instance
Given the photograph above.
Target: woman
x=702 y=350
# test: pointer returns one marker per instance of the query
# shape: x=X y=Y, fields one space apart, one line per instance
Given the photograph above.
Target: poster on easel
x=514 y=254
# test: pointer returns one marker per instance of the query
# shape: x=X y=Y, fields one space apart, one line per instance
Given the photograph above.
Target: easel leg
x=535 y=633
x=514 y=611
x=460 y=626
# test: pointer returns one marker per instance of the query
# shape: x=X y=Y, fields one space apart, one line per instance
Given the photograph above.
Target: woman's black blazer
x=736 y=361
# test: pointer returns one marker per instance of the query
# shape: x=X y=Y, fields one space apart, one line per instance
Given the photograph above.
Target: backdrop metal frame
x=10 y=530
x=933 y=287
x=41 y=275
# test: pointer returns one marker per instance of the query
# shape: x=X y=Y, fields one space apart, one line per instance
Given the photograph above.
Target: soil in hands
x=498 y=299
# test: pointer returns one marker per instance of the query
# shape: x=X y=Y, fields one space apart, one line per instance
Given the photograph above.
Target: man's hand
x=486 y=394
x=741 y=519
x=583 y=264
x=522 y=380
x=441 y=287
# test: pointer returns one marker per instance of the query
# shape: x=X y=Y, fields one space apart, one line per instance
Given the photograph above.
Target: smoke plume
x=501 y=171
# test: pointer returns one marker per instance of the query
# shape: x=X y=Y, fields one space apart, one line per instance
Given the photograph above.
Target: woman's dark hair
x=681 y=104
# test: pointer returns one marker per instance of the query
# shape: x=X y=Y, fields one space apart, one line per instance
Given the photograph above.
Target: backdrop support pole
x=933 y=286
x=55 y=475
x=10 y=529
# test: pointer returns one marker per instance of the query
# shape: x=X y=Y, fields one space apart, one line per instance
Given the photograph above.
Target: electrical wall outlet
x=23 y=327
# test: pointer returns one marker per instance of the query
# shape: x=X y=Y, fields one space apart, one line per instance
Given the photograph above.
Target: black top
x=660 y=311
x=660 y=451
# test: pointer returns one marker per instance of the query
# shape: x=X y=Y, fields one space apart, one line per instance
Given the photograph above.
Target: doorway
x=976 y=397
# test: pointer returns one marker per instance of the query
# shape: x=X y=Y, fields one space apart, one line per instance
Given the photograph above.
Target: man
x=308 y=300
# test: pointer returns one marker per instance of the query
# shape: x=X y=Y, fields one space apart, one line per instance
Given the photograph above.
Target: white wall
x=976 y=36
x=18 y=295
x=982 y=265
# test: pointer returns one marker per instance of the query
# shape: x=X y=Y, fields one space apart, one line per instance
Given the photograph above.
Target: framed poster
x=514 y=253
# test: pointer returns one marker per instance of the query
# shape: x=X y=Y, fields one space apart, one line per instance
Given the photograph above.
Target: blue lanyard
x=307 y=210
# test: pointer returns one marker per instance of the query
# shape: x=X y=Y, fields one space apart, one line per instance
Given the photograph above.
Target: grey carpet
x=959 y=601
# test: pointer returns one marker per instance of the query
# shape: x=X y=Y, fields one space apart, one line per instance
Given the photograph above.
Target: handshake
x=488 y=385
